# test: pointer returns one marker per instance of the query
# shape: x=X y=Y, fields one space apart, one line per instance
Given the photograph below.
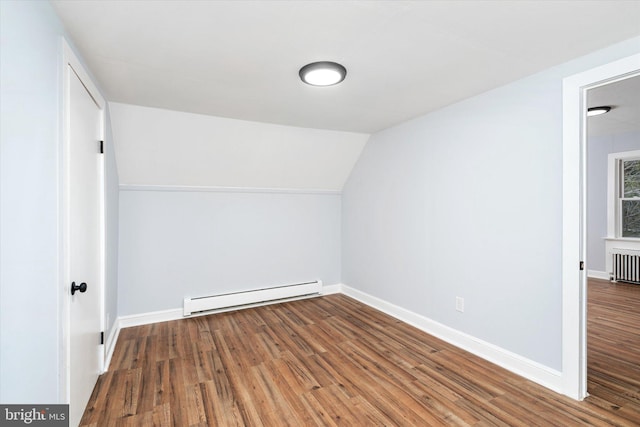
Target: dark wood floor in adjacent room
x=613 y=349
x=334 y=361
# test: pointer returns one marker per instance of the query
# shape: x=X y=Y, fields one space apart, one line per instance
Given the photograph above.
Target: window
x=624 y=196
x=623 y=206
x=629 y=198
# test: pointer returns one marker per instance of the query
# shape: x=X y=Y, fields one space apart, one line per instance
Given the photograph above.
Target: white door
x=84 y=245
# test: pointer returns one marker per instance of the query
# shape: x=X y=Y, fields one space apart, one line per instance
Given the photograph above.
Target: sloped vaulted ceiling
x=157 y=147
x=240 y=59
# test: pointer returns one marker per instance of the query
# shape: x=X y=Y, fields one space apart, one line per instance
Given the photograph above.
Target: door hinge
x=101 y=147
x=581 y=265
x=102 y=337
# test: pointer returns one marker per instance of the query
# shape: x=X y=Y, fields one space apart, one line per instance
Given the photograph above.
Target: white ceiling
x=240 y=59
x=624 y=99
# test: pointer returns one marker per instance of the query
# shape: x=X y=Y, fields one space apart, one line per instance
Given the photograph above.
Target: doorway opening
x=574 y=250
x=613 y=242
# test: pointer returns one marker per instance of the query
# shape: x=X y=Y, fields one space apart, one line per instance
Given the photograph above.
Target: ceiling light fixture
x=322 y=73
x=596 y=111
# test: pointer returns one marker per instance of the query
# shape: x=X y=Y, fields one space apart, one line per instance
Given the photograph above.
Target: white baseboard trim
x=332 y=289
x=595 y=274
x=515 y=363
x=151 y=317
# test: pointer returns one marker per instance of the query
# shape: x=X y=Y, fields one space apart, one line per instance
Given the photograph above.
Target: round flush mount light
x=322 y=73
x=596 y=111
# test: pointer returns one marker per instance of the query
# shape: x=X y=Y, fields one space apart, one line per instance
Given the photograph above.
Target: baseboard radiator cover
x=626 y=266
x=245 y=298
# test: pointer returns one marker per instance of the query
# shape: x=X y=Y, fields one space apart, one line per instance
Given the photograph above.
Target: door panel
x=84 y=245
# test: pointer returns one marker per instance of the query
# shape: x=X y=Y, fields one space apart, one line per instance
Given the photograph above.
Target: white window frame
x=614 y=194
x=614 y=242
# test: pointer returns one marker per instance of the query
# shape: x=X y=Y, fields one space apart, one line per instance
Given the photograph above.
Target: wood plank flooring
x=327 y=361
x=613 y=354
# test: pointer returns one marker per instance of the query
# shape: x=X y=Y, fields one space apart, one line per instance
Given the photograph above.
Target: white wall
x=467 y=201
x=163 y=147
x=598 y=149
x=212 y=205
x=177 y=244
x=30 y=113
x=30 y=243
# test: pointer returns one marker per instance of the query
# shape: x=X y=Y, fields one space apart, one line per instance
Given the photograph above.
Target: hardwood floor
x=613 y=344
x=330 y=361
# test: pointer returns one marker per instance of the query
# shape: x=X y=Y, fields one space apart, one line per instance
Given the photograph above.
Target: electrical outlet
x=460 y=304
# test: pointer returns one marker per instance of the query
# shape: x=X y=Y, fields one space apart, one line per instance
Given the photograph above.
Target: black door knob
x=82 y=287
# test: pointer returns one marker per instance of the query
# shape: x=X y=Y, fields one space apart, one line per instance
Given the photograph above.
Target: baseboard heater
x=239 y=299
x=626 y=266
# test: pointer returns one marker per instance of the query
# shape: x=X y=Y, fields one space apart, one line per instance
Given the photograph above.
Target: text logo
x=36 y=415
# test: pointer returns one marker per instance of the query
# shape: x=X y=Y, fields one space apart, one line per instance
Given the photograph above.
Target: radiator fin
x=626 y=266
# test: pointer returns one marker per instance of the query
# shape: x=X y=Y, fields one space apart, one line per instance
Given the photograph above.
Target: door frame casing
x=71 y=64
x=574 y=181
